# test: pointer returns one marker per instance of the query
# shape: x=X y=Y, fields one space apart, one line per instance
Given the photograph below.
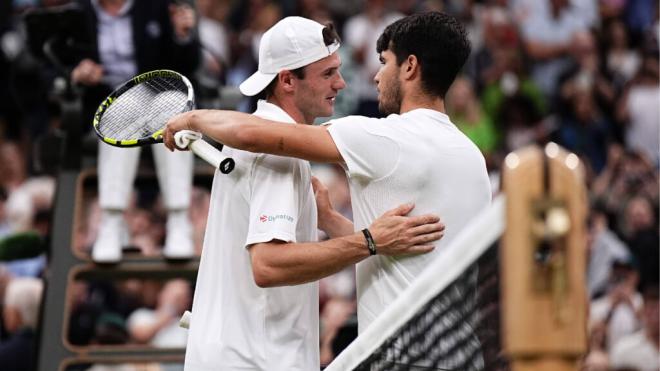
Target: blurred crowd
x=581 y=73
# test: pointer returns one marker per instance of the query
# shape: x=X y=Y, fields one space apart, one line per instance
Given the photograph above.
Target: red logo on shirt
x=275 y=218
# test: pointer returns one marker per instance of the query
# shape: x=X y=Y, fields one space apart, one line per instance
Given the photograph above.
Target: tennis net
x=449 y=318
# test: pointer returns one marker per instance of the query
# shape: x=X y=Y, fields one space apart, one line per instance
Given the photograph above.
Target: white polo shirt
x=236 y=325
x=419 y=157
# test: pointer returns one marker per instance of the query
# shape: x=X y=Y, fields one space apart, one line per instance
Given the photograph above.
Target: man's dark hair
x=438 y=41
x=330 y=36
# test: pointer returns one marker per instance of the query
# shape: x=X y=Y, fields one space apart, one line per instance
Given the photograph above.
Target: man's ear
x=410 y=67
x=286 y=80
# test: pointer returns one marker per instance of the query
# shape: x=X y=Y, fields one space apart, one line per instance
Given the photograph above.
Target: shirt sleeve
x=366 y=145
x=273 y=200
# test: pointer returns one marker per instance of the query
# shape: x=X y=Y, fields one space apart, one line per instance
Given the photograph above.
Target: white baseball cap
x=291 y=43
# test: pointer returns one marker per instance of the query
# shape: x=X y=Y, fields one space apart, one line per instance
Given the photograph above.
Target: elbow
x=262 y=280
x=263 y=275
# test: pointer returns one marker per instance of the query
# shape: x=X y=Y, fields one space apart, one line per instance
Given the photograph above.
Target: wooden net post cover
x=544 y=295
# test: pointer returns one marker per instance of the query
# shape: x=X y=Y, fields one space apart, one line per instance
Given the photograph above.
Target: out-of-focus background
x=581 y=73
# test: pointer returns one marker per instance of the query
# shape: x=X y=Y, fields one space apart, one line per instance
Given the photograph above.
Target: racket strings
x=144 y=109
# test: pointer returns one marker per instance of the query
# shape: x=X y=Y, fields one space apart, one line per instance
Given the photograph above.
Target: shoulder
x=358 y=122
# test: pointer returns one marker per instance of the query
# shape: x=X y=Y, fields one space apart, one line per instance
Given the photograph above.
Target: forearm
x=255 y=134
x=296 y=263
x=336 y=225
x=216 y=125
x=278 y=263
x=235 y=129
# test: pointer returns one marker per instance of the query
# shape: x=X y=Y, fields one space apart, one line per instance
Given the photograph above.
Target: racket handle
x=206 y=151
x=184 y=322
x=193 y=141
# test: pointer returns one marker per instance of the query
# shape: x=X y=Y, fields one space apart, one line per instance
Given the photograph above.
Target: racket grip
x=211 y=155
x=193 y=141
x=206 y=151
x=184 y=322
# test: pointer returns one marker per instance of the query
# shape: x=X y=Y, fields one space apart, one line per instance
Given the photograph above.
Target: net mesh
x=144 y=109
x=458 y=329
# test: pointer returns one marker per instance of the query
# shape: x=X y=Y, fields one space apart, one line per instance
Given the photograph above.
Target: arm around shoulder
x=255 y=134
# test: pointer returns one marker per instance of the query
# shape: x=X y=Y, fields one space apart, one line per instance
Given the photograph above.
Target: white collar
x=273 y=112
x=431 y=112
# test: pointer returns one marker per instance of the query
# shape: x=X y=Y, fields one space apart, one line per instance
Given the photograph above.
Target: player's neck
x=417 y=101
x=291 y=109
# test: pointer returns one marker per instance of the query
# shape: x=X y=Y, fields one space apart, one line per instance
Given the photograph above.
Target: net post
x=544 y=297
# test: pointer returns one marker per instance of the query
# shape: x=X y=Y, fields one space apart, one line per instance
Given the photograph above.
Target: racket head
x=136 y=112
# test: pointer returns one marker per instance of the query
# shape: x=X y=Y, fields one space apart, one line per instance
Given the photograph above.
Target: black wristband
x=371 y=245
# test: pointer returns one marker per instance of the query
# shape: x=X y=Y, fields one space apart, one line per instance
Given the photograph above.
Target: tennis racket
x=136 y=112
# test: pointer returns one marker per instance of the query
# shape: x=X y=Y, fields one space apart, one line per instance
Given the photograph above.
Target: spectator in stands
x=94 y=306
x=637 y=109
x=584 y=129
x=627 y=173
x=146 y=228
x=521 y=124
x=160 y=326
x=20 y=315
x=28 y=209
x=110 y=329
x=639 y=16
x=316 y=10
x=641 y=235
x=467 y=114
x=13 y=166
x=618 y=309
x=134 y=37
x=604 y=248
x=583 y=74
x=250 y=19
x=640 y=351
x=548 y=29
x=361 y=32
x=216 y=56
x=26 y=201
x=510 y=98
x=621 y=61
x=491 y=59
x=597 y=358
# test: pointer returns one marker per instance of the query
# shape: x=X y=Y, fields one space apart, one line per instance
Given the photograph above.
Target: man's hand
x=323 y=206
x=397 y=234
x=329 y=220
x=182 y=121
x=87 y=72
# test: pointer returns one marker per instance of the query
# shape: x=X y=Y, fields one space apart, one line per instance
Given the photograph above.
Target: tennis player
x=416 y=154
x=256 y=299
